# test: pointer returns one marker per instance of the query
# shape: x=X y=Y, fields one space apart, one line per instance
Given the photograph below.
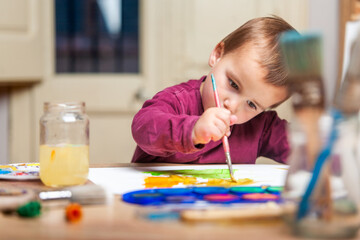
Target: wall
x=4 y=125
x=323 y=17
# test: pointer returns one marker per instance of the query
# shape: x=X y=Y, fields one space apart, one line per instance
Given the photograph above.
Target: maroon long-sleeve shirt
x=163 y=127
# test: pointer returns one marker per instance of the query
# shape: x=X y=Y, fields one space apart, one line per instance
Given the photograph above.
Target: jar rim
x=70 y=105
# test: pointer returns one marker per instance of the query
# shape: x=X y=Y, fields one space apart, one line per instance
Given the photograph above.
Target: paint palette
x=204 y=195
x=20 y=171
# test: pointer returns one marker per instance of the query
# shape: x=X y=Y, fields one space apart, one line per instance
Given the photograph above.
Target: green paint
x=274 y=189
x=205 y=173
x=247 y=189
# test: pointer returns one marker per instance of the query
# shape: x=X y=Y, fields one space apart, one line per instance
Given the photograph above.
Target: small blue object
x=323 y=156
x=159 y=216
x=4 y=171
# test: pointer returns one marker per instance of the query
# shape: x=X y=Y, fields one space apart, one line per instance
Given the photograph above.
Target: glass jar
x=322 y=188
x=64 y=144
x=332 y=207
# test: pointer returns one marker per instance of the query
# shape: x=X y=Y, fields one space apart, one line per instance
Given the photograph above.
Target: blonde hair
x=264 y=33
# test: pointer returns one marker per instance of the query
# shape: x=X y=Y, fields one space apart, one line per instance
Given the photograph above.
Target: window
x=97 y=36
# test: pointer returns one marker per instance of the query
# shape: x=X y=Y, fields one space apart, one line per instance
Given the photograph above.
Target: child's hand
x=213 y=124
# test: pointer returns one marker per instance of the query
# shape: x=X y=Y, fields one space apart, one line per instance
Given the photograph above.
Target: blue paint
x=174 y=191
x=210 y=190
x=4 y=171
x=144 y=197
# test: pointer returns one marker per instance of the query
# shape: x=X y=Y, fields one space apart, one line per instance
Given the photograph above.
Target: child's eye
x=233 y=84
x=251 y=104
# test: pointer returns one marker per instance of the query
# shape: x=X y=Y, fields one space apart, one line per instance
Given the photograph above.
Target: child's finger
x=225 y=116
x=228 y=133
x=222 y=126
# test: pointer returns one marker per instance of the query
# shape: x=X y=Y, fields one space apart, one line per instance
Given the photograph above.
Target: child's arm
x=161 y=128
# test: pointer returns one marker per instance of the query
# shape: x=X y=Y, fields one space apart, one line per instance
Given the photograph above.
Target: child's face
x=240 y=82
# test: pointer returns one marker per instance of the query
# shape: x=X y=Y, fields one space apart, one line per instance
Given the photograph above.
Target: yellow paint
x=69 y=166
x=173 y=180
x=33 y=164
x=228 y=182
x=8 y=166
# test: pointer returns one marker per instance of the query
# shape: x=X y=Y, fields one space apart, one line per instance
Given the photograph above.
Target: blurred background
x=115 y=54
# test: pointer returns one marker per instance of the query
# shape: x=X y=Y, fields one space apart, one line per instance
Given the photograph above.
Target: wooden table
x=120 y=220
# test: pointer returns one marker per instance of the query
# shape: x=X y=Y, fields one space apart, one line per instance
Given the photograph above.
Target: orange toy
x=73 y=212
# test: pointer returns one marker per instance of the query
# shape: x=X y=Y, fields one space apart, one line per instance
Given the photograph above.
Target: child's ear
x=216 y=54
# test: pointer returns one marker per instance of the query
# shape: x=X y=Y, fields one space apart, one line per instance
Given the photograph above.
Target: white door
x=111 y=99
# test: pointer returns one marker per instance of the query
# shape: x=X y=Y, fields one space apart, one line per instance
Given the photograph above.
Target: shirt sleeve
x=274 y=140
x=161 y=128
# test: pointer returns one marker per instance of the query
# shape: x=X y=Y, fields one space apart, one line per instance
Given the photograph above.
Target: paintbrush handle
x=217 y=103
x=216 y=95
x=225 y=140
x=216 y=214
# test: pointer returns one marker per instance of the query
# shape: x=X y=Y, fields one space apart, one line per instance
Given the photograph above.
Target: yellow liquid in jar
x=64 y=165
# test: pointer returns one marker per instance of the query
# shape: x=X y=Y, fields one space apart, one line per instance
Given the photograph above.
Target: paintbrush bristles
x=303 y=59
x=302 y=54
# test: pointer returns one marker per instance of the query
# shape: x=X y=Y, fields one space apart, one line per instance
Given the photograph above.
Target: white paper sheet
x=125 y=179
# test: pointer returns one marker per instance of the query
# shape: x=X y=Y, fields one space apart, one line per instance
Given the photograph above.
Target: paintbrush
x=264 y=211
x=224 y=139
x=303 y=57
x=90 y=194
x=12 y=198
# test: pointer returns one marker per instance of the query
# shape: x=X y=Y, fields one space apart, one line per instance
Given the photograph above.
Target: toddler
x=181 y=124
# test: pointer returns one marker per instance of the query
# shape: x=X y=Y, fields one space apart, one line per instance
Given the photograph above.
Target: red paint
x=221 y=197
x=260 y=196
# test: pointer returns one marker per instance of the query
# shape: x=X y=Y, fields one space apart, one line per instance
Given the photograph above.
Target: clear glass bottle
x=332 y=207
x=322 y=189
x=64 y=144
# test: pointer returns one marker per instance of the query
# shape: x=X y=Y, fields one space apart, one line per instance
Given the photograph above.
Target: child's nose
x=234 y=106
x=229 y=106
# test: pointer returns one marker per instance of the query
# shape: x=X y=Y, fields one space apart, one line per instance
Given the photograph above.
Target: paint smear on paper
x=208 y=177
x=172 y=180
x=228 y=182
x=20 y=171
x=205 y=173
